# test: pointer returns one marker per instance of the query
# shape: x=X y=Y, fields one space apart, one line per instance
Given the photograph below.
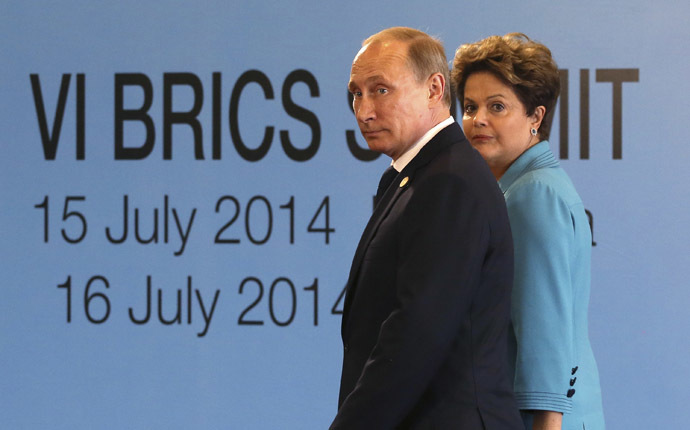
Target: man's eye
x=382 y=90
x=356 y=93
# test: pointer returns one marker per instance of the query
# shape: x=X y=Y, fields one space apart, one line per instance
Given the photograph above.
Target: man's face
x=391 y=107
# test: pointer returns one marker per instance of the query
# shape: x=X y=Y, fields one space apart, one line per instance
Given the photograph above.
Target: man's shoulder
x=450 y=156
x=459 y=157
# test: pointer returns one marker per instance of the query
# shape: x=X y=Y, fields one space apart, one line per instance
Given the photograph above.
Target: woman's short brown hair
x=521 y=63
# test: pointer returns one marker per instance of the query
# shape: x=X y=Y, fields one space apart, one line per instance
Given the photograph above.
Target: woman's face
x=495 y=121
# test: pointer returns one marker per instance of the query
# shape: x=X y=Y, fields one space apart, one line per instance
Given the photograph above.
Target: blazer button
x=346 y=347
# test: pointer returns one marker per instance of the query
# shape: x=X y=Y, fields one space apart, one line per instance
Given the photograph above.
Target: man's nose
x=364 y=109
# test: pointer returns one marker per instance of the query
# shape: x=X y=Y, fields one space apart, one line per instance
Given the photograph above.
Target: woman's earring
x=533 y=131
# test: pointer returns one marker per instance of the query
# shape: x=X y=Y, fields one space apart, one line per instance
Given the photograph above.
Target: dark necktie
x=384 y=183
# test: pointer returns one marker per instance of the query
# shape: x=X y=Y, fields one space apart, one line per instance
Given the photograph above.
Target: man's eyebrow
x=370 y=79
x=374 y=78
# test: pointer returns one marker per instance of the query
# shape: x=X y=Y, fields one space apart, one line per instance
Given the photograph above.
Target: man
x=428 y=298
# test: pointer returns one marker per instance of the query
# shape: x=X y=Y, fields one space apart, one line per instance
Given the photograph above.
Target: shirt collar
x=405 y=159
x=536 y=157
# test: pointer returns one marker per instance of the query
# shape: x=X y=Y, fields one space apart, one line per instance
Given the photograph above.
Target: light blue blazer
x=554 y=365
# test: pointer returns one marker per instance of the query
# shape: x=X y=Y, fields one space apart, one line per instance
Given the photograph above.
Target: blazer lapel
x=380 y=212
x=438 y=143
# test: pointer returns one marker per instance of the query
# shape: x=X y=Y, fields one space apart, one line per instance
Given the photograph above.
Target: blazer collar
x=537 y=157
x=445 y=137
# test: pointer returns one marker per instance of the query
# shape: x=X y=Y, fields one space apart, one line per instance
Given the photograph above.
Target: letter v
x=50 y=140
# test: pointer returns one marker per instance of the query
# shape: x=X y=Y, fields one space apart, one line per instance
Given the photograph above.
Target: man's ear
x=436 y=85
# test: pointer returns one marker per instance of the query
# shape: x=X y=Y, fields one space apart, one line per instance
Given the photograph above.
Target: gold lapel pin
x=404 y=181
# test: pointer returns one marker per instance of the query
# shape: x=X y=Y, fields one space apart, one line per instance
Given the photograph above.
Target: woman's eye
x=470 y=109
x=497 y=107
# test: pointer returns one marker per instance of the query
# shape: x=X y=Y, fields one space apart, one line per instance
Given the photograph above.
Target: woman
x=508 y=87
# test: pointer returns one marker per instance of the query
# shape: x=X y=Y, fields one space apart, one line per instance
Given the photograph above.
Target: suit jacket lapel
x=438 y=143
x=380 y=212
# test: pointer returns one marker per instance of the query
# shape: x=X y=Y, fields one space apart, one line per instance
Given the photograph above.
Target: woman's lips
x=480 y=138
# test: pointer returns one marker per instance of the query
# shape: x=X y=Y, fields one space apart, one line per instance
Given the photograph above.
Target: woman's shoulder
x=544 y=184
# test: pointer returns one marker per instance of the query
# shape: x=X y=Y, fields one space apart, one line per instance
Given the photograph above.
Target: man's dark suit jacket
x=427 y=306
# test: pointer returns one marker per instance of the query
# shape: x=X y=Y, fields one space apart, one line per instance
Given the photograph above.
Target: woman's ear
x=538 y=116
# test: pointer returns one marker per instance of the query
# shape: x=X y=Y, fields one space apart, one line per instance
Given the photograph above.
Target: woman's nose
x=479 y=118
